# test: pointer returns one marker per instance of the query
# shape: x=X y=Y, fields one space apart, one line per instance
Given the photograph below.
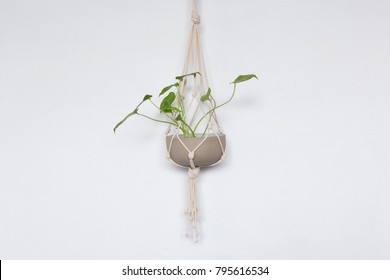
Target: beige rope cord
x=207 y=149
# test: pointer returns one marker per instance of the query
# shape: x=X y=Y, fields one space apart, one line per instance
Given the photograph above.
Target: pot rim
x=198 y=135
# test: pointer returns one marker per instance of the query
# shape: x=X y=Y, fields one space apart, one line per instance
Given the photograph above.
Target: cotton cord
x=192 y=211
x=194 y=62
x=195 y=17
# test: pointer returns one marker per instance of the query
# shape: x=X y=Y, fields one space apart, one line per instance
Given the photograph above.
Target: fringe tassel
x=192 y=211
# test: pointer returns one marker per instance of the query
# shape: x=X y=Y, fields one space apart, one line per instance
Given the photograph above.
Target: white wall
x=307 y=171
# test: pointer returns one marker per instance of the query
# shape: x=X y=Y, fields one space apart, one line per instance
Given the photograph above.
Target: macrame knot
x=191 y=155
x=193 y=172
x=195 y=17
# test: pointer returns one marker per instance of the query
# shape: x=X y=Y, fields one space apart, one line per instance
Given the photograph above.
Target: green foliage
x=243 y=78
x=166 y=103
x=147 y=97
x=179 y=117
x=125 y=118
x=207 y=96
x=180 y=78
x=164 y=90
x=175 y=115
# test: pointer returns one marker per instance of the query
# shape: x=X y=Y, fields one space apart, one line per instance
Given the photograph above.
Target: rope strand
x=192 y=211
x=191 y=89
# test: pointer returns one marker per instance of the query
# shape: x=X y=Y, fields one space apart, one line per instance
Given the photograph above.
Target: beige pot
x=208 y=153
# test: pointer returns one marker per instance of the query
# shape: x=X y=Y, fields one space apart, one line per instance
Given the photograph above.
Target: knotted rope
x=192 y=210
x=195 y=17
x=194 y=62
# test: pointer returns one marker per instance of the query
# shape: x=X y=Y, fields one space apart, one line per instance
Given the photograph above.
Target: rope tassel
x=194 y=112
x=192 y=211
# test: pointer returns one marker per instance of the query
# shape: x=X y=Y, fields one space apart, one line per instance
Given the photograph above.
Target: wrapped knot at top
x=195 y=17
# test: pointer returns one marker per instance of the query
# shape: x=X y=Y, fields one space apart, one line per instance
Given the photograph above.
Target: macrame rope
x=194 y=61
x=195 y=15
x=192 y=211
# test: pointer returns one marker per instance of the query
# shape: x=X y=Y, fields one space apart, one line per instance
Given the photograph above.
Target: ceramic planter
x=208 y=153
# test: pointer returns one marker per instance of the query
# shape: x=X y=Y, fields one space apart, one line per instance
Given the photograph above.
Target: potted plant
x=194 y=143
x=191 y=147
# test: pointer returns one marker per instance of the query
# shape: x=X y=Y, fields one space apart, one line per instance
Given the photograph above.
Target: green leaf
x=179 y=118
x=170 y=109
x=164 y=90
x=175 y=109
x=207 y=96
x=180 y=78
x=243 y=78
x=166 y=103
x=125 y=118
x=147 y=97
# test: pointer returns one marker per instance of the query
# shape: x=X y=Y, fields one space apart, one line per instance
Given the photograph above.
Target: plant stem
x=142 y=115
x=211 y=115
x=154 y=104
x=192 y=132
x=215 y=108
x=172 y=119
x=185 y=131
x=180 y=102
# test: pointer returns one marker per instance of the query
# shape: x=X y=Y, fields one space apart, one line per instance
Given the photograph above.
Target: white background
x=306 y=175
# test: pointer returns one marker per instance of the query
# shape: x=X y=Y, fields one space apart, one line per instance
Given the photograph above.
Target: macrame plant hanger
x=208 y=147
